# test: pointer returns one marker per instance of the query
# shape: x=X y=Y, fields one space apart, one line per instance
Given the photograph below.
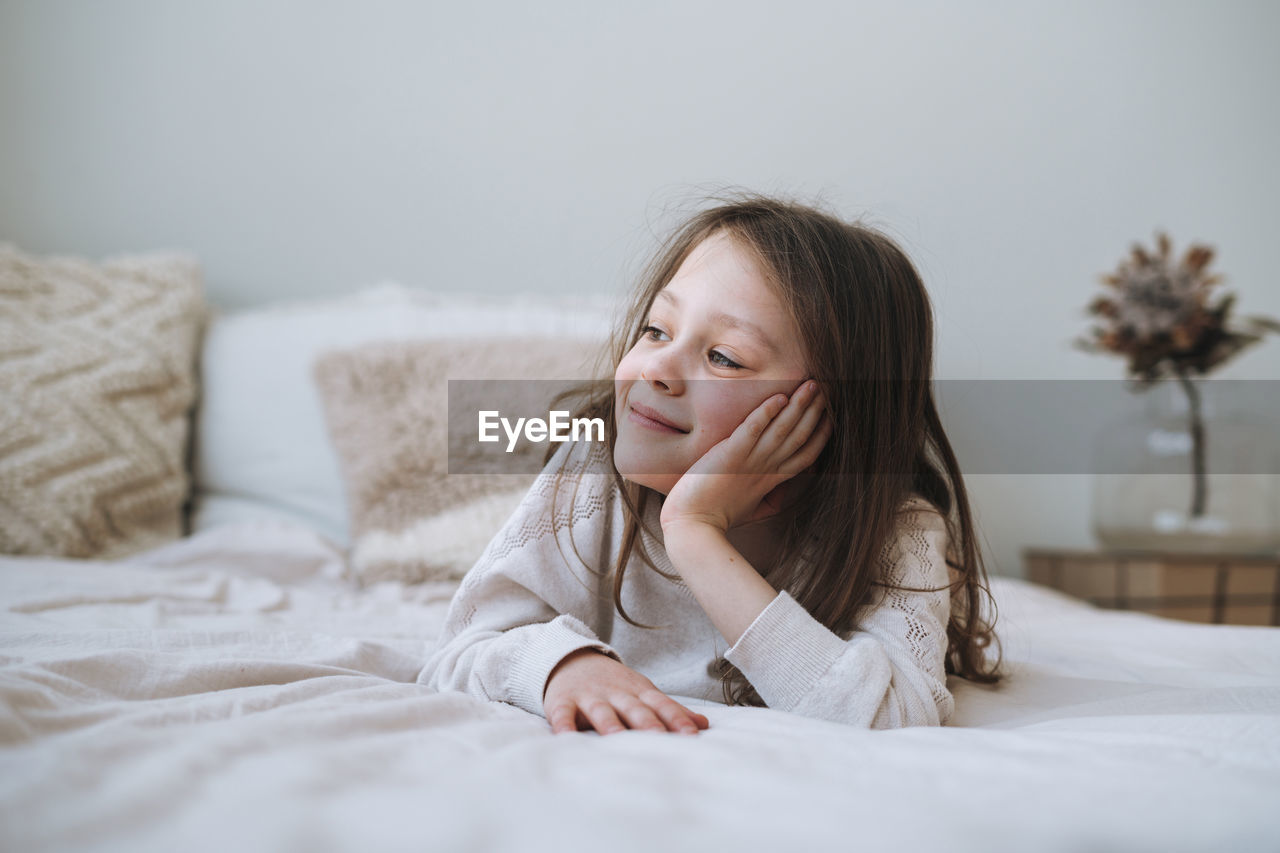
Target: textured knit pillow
x=387 y=407
x=97 y=384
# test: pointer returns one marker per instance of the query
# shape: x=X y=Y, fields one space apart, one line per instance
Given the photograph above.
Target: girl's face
x=717 y=344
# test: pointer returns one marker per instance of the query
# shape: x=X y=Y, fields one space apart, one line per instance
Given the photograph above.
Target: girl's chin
x=660 y=484
x=637 y=465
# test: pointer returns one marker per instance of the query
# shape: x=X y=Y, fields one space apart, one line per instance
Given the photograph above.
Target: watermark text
x=558 y=427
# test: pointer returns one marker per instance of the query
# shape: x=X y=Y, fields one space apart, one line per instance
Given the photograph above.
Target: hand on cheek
x=738 y=480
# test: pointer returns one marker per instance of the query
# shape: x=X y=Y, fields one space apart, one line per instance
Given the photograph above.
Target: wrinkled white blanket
x=234 y=691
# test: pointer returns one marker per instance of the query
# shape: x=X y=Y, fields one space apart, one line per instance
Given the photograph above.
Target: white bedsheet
x=234 y=692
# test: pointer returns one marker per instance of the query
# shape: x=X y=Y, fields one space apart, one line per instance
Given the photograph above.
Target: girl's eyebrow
x=734 y=322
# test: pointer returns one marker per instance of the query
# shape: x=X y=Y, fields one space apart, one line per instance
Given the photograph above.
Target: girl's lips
x=645 y=421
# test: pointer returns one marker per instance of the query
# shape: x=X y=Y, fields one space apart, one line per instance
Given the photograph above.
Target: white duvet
x=234 y=691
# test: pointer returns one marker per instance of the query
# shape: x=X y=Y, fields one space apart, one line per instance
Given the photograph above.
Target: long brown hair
x=867 y=324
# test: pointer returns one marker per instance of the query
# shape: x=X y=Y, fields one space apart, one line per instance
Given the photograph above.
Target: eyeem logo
x=538 y=430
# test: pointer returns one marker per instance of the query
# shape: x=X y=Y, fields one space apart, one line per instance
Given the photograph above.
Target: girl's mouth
x=650 y=419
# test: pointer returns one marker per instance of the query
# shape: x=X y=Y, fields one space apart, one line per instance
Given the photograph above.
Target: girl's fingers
x=602 y=717
x=744 y=439
x=563 y=718
x=796 y=405
x=698 y=719
x=657 y=712
x=677 y=717
x=639 y=715
x=778 y=414
x=789 y=430
x=805 y=418
x=759 y=419
x=808 y=452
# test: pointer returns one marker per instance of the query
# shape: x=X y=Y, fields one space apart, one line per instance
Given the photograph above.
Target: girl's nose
x=663 y=373
x=674 y=387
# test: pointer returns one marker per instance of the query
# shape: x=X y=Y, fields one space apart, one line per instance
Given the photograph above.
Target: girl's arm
x=523 y=608
x=889 y=673
x=729 y=588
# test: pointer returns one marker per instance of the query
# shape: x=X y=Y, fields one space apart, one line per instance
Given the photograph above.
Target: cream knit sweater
x=524 y=606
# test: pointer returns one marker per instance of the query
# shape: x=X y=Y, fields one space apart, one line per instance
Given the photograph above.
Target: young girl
x=775 y=492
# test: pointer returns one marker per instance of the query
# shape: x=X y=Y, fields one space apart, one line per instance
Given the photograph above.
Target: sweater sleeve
x=524 y=606
x=890 y=673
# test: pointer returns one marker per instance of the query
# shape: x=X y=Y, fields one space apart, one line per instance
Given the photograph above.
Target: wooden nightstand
x=1219 y=589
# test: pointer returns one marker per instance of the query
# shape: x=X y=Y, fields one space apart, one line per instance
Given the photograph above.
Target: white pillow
x=261 y=445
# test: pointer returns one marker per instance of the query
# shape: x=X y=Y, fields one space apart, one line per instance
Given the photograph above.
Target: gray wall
x=1015 y=149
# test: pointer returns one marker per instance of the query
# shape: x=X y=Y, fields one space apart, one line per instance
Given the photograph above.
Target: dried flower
x=1160 y=318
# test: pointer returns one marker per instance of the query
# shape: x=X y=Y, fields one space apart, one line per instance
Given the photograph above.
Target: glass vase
x=1192 y=472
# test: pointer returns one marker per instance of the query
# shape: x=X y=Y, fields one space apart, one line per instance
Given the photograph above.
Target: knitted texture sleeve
x=890 y=672
x=536 y=609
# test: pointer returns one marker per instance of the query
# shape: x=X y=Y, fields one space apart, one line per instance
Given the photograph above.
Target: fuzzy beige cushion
x=387 y=407
x=97 y=386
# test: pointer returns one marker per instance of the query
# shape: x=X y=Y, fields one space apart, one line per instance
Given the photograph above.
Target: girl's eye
x=724 y=361
x=717 y=358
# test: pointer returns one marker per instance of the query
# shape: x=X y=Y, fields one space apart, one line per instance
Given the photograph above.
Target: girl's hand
x=740 y=479
x=589 y=689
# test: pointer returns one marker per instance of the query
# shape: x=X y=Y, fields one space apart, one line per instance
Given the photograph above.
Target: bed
x=250 y=684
